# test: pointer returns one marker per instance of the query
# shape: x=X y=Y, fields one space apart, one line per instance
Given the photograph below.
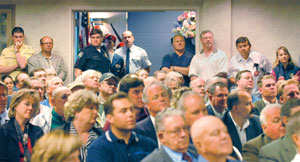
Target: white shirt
x=4 y=117
x=241 y=130
x=296 y=158
x=153 y=122
x=217 y=114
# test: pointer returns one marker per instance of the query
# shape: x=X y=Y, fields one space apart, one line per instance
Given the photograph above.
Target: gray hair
x=90 y=72
x=161 y=116
x=145 y=94
x=293 y=124
x=173 y=74
x=180 y=103
x=263 y=114
x=50 y=82
x=211 y=81
x=58 y=90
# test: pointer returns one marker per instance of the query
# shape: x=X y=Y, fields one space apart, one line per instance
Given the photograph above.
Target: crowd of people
x=200 y=107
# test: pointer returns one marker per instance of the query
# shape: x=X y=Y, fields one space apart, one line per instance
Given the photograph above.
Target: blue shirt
x=45 y=102
x=177 y=156
x=175 y=60
x=202 y=159
x=108 y=148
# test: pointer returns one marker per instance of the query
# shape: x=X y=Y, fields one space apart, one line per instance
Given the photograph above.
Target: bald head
x=211 y=138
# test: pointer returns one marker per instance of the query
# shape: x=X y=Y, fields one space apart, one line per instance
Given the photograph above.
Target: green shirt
x=57 y=120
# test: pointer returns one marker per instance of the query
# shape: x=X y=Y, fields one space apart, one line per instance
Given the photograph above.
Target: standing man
x=13 y=59
x=246 y=59
x=93 y=56
x=268 y=90
x=241 y=124
x=45 y=59
x=135 y=57
x=120 y=143
x=210 y=61
x=179 y=60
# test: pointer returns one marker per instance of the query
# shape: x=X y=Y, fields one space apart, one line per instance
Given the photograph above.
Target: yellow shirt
x=8 y=58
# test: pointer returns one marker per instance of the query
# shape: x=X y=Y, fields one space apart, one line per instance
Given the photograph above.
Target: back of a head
x=293 y=124
x=288 y=107
x=55 y=146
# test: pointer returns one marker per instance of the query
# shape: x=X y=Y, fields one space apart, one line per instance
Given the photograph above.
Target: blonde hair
x=285 y=83
x=55 y=146
x=77 y=100
x=276 y=62
x=20 y=96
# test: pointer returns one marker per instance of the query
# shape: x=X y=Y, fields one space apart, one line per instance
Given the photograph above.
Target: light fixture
x=98 y=21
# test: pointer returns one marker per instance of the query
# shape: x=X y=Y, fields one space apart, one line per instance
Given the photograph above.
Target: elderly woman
x=283 y=67
x=18 y=136
x=57 y=146
x=81 y=111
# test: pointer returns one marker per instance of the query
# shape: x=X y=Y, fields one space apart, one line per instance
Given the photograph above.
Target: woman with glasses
x=81 y=111
x=18 y=136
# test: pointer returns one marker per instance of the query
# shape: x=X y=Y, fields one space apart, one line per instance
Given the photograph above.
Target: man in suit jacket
x=268 y=90
x=218 y=93
x=156 y=97
x=173 y=133
x=272 y=128
x=283 y=149
x=242 y=125
x=45 y=59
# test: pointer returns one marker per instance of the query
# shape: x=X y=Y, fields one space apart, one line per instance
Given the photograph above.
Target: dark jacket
x=9 y=142
x=146 y=128
x=291 y=70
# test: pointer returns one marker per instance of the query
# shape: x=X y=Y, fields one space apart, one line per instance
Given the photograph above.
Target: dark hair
x=242 y=40
x=108 y=106
x=213 y=87
x=96 y=31
x=17 y=30
x=262 y=78
x=288 y=106
x=31 y=74
x=127 y=83
x=7 y=76
x=172 y=39
x=239 y=74
x=233 y=99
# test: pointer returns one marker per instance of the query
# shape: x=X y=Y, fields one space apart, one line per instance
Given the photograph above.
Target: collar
x=4 y=117
x=175 y=156
x=45 y=56
x=245 y=125
x=112 y=138
x=267 y=102
x=12 y=47
x=217 y=113
x=125 y=48
x=214 y=51
x=56 y=116
x=240 y=58
x=153 y=121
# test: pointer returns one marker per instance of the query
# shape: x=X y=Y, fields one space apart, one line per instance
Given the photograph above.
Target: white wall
x=267 y=23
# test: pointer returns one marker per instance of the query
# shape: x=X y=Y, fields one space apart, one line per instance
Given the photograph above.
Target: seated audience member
x=198 y=85
x=268 y=90
x=52 y=84
x=176 y=95
x=37 y=85
x=210 y=61
x=244 y=82
x=272 y=128
x=3 y=103
x=192 y=105
x=134 y=88
x=149 y=80
x=283 y=149
x=120 y=143
x=284 y=68
x=242 y=125
x=142 y=74
x=18 y=136
x=156 y=97
x=107 y=87
x=211 y=140
x=287 y=90
x=173 y=133
x=160 y=75
x=178 y=61
x=53 y=117
x=293 y=130
x=20 y=79
x=8 y=80
x=39 y=73
x=50 y=72
x=90 y=79
x=246 y=59
x=46 y=59
x=13 y=59
x=218 y=93
x=75 y=86
x=173 y=80
x=57 y=146
x=208 y=83
x=81 y=112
